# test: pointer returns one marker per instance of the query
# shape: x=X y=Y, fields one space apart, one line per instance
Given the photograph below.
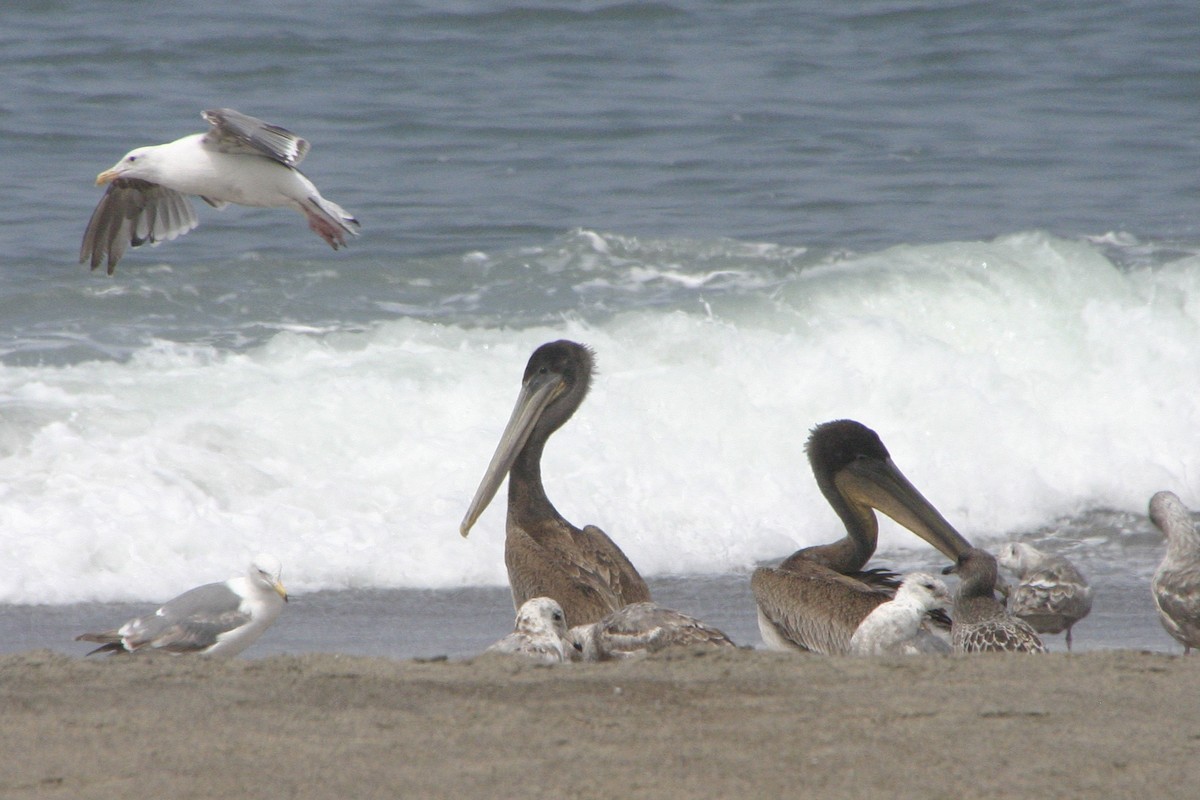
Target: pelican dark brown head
x=556 y=380
x=856 y=474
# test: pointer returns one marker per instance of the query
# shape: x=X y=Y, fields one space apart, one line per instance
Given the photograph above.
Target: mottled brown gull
x=1051 y=593
x=981 y=623
x=240 y=160
x=639 y=629
x=216 y=619
x=1176 y=582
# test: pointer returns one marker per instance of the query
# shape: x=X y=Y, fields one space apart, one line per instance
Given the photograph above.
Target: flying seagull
x=240 y=160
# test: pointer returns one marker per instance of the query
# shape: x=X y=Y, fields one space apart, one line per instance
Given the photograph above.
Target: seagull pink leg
x=326 y=230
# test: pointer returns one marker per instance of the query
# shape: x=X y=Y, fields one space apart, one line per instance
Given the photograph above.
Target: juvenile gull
x=240 y=160
x=895 y=627
x=1176 y=582
x=540 y=634
x=641 y=628
x=217 y=619
x=981 y=624
x=1051 y=594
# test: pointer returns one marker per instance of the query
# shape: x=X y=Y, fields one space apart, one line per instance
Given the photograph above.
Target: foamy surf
x=1015 y=382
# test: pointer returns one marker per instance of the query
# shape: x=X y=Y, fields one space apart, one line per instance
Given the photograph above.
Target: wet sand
x=742 y=723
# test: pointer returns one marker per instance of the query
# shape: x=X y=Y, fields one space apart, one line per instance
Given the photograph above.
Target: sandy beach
x=700 y=724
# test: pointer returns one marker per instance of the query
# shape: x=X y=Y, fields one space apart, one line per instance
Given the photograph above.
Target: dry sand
x=743 y=724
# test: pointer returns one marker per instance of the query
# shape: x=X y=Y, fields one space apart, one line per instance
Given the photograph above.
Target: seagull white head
x=540 y=616
x=140 y=163
x=265 y=571
x=928 y=592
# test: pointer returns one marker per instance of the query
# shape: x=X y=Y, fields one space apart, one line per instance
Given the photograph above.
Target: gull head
x=139 y=163
x=265 y=571
x=541 y=616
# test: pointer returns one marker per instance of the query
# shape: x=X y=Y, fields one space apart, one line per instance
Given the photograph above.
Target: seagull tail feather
x=109 y=641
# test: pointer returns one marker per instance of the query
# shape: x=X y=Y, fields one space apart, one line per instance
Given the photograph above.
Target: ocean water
x=975 y=230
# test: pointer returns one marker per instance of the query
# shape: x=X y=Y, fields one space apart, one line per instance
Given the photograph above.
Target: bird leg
x=326 y=230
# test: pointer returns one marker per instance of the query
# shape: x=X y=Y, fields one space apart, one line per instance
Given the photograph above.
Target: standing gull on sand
x=217 y=619
x=1176 y=582
x=547 y=556
x=981 y=624
x=240 y=160
x=642 y=628
x=540 y=634
x=893 y=628
x=816 y=598
x=1051 y=594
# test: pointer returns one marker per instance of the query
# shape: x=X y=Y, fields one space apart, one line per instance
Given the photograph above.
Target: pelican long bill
x=881 y=485
x=536 y=393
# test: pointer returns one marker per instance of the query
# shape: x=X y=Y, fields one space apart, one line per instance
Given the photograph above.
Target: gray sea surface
x=493 y=127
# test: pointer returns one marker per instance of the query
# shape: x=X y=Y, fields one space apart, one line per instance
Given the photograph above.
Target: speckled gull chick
x=895 y=627
x=217 y=619
x=981 y=623
x=540 y=634
x=240 y=160
x=1051 y=594
x=639 y=629
x=1176 y=582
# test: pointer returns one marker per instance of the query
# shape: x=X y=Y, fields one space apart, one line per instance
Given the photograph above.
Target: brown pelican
x=217 y=619
x=1176 y=582
x=642 y=628
x=539 y=635
x=817 y=597
x=981 y=623
x=894 y=627
x=1051 y=594
x=546 y=555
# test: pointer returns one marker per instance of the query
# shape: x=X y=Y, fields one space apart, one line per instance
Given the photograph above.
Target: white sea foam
x=1013 y=381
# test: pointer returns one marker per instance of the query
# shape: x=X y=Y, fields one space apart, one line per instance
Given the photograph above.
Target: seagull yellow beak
x=108 y=176
x=279 y=590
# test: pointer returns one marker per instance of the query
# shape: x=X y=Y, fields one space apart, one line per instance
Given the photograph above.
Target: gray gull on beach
x=217 y=619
